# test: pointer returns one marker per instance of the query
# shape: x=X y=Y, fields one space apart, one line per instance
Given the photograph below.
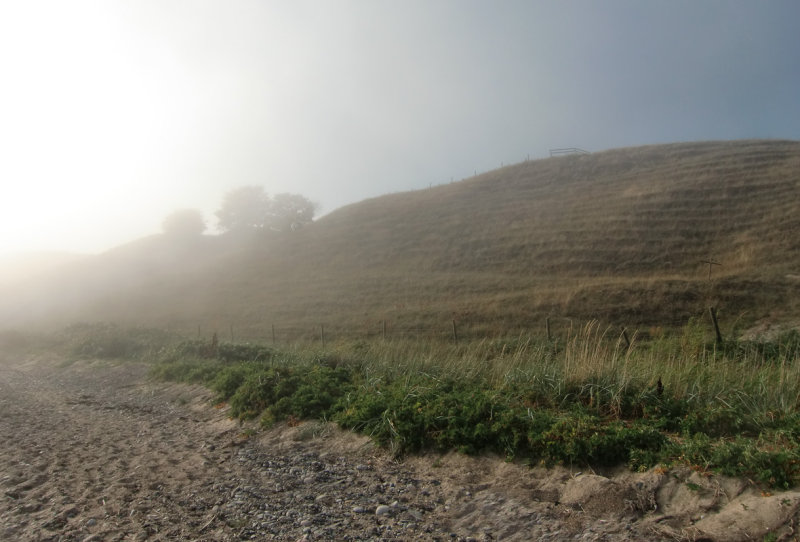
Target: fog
x=114 y=114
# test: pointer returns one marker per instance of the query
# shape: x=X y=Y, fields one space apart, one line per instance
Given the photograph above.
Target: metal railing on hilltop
x=568 y=150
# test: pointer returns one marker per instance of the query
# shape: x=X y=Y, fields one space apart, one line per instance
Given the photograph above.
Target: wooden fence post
x=547 y=327
x=455 y=333
x=713 y=313
x=625 y=336
x=273 y=334
x=322 y=334
x=384 y=330
x=710 y=263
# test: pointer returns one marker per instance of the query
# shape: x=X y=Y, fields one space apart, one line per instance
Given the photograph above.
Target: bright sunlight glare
x=79 y=103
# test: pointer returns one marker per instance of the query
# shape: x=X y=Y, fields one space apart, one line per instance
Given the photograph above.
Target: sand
x=94 y=451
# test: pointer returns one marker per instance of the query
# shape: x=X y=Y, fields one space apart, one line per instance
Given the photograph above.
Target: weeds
x=730 y=409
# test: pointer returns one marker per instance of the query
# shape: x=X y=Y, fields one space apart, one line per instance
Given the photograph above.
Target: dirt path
x=92 y=451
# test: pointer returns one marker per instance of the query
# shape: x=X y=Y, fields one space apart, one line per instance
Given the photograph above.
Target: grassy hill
x=619 y=235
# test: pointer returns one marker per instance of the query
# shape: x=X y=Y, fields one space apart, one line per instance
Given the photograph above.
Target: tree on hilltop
x=251 y=208
x=184 y=223
x=244 y=208
x=290 y=212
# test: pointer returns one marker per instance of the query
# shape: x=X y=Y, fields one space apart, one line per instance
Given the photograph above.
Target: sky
x=116 y=113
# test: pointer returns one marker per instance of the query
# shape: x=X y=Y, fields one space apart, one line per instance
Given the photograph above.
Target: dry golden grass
x=619 y=236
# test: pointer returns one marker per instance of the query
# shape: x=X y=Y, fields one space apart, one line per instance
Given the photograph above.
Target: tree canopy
x=290 y=212
x=251 y=208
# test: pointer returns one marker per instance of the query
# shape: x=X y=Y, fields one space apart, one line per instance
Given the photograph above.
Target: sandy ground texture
x=93 y=451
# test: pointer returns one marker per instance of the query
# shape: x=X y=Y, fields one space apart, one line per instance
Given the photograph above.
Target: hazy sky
x=115 y=113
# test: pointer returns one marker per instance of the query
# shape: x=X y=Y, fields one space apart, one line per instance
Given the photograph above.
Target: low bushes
x=276 y=393
x=732 y=410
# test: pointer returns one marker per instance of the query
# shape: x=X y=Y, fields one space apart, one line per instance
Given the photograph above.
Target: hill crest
x=619 y=235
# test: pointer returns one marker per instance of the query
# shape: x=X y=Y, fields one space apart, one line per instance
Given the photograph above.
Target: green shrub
x=253 y=391
x=313 y=394
x=579 y=437
x=230 y=378
x=279 y=392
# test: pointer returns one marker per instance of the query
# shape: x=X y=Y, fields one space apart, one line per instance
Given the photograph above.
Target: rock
x=383 y=510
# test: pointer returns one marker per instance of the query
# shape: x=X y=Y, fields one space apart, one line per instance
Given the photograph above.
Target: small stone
x=383 y=510
x=91 y=523
x=359 y=510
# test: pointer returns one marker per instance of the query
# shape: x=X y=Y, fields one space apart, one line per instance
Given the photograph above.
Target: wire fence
x=552 y=328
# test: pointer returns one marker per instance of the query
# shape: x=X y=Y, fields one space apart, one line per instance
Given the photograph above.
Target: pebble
x=383 y=510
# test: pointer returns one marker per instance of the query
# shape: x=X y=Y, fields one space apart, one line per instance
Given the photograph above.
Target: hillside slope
x=620 y=235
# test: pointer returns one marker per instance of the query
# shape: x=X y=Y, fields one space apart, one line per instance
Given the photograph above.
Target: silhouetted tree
x=185 y=222
x=250 y=208
x=243 y=208
x=290 y=212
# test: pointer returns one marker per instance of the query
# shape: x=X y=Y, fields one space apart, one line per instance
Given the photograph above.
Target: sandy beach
x=95 y=451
